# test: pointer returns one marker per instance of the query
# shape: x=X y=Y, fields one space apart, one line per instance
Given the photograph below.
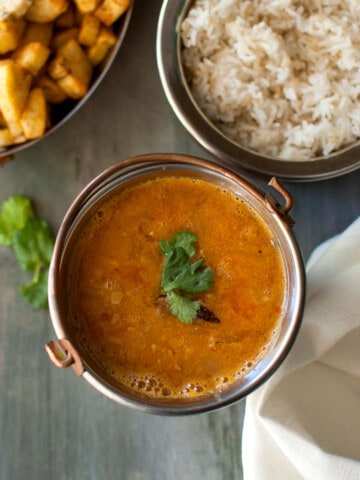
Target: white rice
x=280 y=77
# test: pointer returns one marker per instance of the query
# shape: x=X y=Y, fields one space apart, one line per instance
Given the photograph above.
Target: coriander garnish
x=32 y=242
x=181 y=279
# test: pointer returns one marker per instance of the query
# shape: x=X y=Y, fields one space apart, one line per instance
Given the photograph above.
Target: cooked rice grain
x=281 y=77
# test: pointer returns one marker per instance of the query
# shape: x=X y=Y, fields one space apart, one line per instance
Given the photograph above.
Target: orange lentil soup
x=114 y=288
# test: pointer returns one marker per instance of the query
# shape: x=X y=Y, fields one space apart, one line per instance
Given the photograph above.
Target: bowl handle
x=63 y=355
x=274 y=205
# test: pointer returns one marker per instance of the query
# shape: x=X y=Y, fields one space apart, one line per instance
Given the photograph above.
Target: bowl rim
x=227 y=152
x=104 y=184
x=121 y=26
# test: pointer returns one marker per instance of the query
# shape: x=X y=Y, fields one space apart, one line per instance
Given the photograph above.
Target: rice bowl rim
x=229 y=153
x=121 y=26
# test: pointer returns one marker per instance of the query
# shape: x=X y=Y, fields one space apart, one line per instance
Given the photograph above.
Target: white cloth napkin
x=304 y=423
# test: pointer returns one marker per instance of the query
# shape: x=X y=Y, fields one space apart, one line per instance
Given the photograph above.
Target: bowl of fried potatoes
x=53 y=55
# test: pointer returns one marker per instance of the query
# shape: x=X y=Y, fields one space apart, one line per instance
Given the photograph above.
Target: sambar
x=114 y=284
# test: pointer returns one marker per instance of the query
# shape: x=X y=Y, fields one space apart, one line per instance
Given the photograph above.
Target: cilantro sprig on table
x=32 y=242
x=181 y=279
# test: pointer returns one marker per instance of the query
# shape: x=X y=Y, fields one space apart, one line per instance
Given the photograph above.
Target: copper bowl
x=226 y=151
x=68 y=350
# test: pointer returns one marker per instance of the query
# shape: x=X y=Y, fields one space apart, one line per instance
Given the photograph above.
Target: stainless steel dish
x=68 y=349
x=227 y=152
x=61 y=113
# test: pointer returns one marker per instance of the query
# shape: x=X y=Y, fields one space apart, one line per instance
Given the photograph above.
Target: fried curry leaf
x=181 y=278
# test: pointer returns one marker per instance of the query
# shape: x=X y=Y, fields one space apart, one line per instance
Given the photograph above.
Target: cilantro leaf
x=15 y=212
x=183 y=307
x=180 y=278
x=175 y=262
x=187 y=277
x=35 y=292
x=33 y=244
x=183 y=239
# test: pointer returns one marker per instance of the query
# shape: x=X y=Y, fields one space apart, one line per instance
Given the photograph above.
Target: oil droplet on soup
x=114 y=281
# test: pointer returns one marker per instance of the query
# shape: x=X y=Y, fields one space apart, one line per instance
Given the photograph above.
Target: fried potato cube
x=52 y=91
x=19 y=139
x=57 y=68
x=72 y=86
x=87 y=6
x=61 y=37
x=2 y=120
x=14 y=8
x=89 y=30
x=110 y=10
x=68 y=18
x=105 y=40
x=32 y=56
x=15 y=84
x=79 y=68
x=38 y=32
x=34 y=117
x=43 y=11
x=6 y=137
x=11 y=30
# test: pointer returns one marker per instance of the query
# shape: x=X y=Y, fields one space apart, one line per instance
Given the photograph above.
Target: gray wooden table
x=52 y=424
